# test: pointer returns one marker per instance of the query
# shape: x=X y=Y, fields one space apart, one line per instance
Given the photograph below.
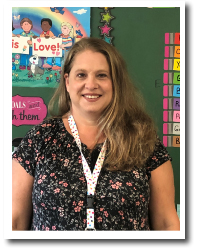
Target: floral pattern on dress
x=50 y=154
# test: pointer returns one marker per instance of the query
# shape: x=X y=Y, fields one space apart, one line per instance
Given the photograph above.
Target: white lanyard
x=90 y=177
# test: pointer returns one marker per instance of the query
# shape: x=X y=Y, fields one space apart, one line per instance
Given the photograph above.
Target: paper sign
x=168 y=90
x=165 y=78
x=165 y=64
x=171 y=78
x=176 y=64
x=171 y=141
x=28 y=110
x=168 y=141
x=47 y=47
x=176 y=91
x=165 y=128
x=168 y=128
x=176 y=79
x=169 y=51
x=176 y=141
x=165 y=116
x=166 y=51
x=166 y=38
x=176 y=128
x=168 y=77
x=165 y=90
x=171 y=38
x=176 y=116
x=168 y=116
x=176 y=103
x=167 y=103
x=177 y=38
x=168 y=64
x=20 y=45
x=165 y=141
x=177 y=51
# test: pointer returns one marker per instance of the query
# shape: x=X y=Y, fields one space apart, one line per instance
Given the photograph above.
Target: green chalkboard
x=139 y=35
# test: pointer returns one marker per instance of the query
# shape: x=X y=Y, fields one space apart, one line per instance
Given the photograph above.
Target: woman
x=97 y=164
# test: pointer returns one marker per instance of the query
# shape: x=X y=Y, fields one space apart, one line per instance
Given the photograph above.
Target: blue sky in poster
x=83 y=18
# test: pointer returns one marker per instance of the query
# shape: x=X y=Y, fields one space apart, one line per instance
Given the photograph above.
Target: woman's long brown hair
x=130 y=131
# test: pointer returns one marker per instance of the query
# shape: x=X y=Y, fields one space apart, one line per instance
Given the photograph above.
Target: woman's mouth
x=91 y=97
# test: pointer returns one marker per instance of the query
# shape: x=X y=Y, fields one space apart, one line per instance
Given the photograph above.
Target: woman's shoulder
x=47 y=126
x=159 y=156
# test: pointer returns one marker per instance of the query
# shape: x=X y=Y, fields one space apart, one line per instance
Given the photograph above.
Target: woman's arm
x=163 y=215
x=22 y=185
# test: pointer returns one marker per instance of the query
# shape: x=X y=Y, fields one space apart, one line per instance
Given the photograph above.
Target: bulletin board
x=147 y=39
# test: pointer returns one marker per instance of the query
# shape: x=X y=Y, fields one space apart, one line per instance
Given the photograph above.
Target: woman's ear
x=66 y=76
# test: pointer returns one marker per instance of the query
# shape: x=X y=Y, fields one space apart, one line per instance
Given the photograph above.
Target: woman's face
x=89 y=83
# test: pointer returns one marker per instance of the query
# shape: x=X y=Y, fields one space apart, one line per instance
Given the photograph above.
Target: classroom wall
x=139 y=35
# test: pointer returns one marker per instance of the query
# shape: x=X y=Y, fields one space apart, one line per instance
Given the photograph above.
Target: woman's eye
x=80 y=75
x=102 y=75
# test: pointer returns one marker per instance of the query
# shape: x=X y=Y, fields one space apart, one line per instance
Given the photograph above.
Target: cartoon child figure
x=46 y=25
x=67 y=36
x=26 y=25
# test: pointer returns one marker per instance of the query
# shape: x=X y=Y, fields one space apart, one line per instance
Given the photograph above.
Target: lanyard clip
x=90 y=201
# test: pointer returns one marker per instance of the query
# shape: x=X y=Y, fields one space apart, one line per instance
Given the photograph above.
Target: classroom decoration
x=28 y=110
x=106 y=18
x=36 y=60
x=171 y=91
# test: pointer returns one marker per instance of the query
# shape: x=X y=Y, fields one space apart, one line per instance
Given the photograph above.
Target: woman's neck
x=85 y=121
x=88 y=130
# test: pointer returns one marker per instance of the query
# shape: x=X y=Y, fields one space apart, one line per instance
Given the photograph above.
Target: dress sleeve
x=28 y=151
x=159 y=156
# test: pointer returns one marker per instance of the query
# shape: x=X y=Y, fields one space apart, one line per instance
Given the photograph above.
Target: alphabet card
x=176 y=128
x=171 y=88
x=176 y=64
x=176 y=116
x=176 y=141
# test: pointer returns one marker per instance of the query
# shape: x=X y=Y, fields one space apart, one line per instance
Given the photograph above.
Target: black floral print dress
x=49 y=153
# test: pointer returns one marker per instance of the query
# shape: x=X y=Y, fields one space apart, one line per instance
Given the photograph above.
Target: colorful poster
x=41 y=40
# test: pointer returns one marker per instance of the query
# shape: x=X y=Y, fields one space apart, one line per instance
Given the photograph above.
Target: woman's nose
x=91 y=82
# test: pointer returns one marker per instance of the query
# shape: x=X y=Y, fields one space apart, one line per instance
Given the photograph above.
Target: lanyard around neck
x=90 y=177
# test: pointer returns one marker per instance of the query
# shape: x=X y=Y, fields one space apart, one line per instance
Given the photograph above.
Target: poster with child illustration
x=41 y=40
